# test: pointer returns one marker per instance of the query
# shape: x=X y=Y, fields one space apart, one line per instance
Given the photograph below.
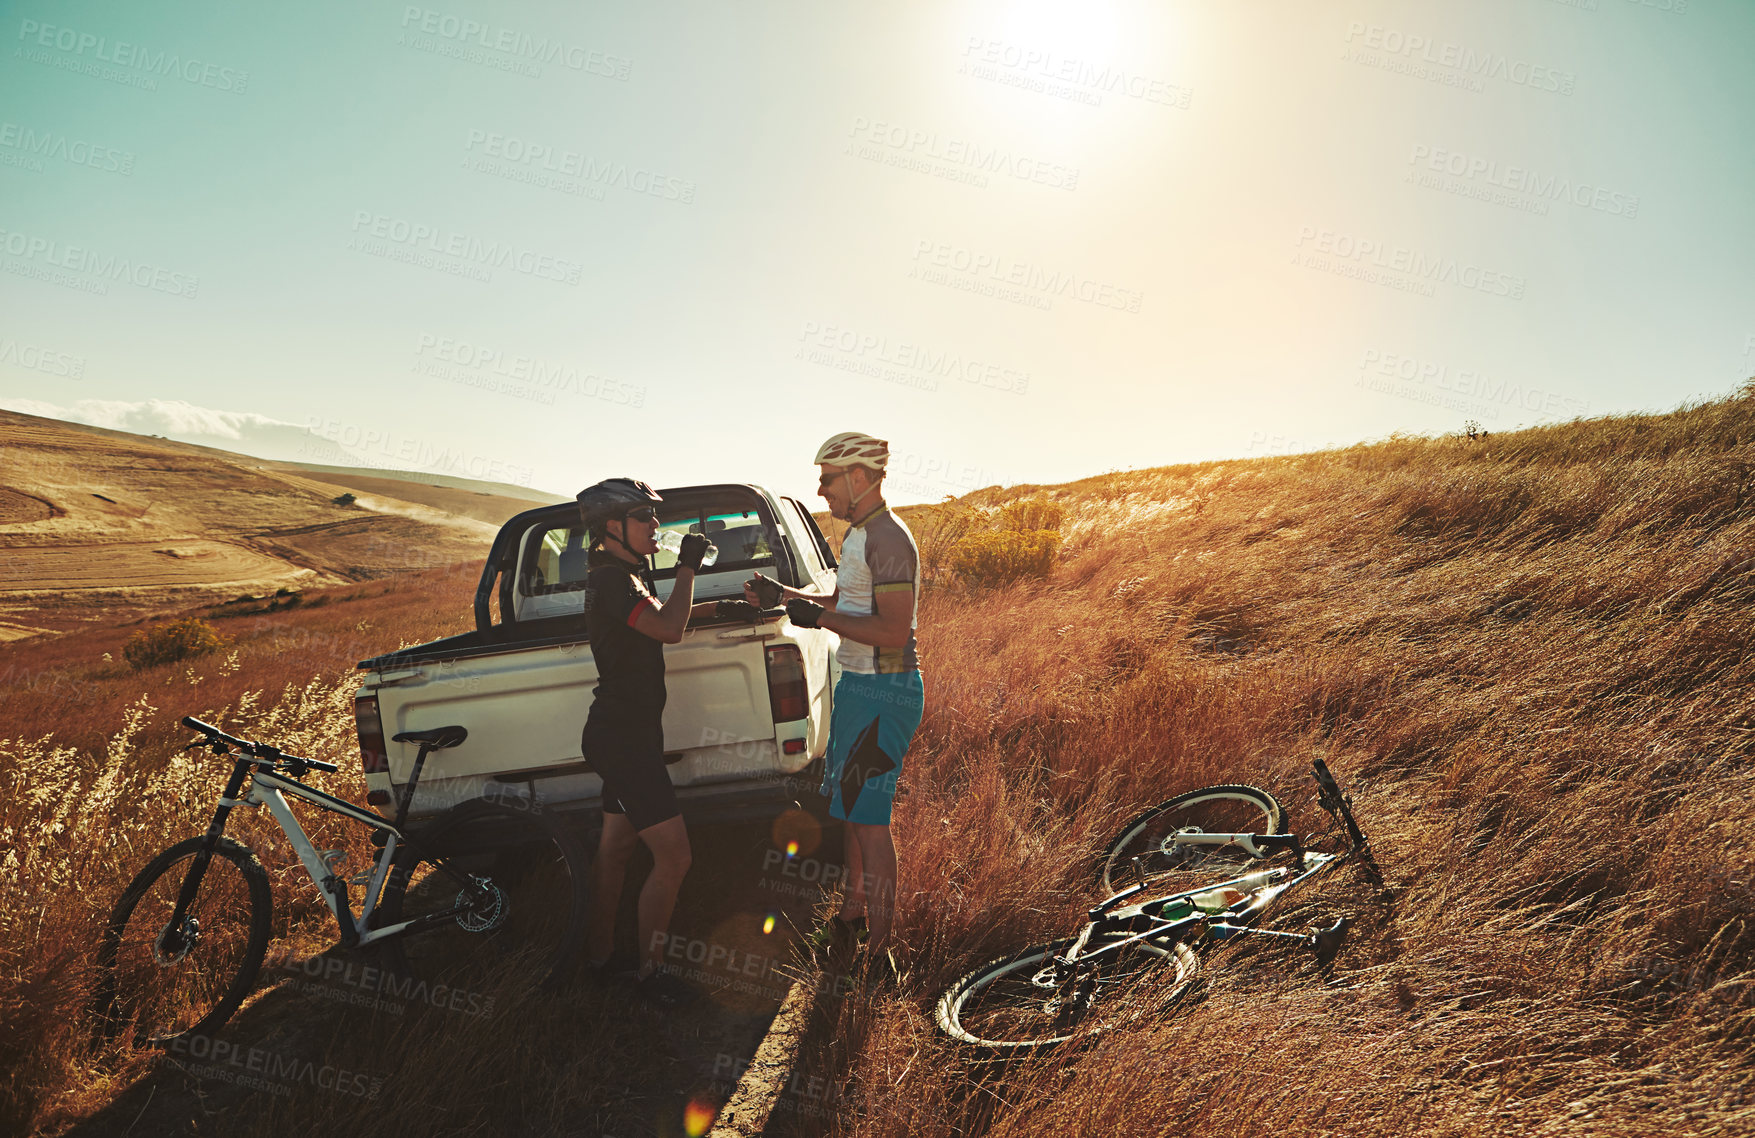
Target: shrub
x=1031 y=515
x=998 y=557
x=168 y=643
x=938 y=530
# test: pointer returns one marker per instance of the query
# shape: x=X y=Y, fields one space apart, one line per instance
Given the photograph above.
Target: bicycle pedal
x=1326 y=943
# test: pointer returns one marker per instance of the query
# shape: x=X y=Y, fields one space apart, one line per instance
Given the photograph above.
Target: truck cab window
x=813 y=537
x=556 y=561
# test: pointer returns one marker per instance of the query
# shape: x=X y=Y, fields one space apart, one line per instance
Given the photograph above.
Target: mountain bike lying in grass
x=1192 y=864
x=484 y=894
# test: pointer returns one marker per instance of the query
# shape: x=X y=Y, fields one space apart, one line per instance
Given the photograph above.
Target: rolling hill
x=99 y=525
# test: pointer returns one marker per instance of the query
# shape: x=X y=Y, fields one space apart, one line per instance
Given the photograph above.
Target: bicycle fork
x=176 y=938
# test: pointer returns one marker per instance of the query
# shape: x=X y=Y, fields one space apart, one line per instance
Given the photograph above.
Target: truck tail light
x=374 y=756
x=788 y=694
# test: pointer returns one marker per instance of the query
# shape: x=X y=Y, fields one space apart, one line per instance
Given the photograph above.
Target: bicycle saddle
x=434 y=738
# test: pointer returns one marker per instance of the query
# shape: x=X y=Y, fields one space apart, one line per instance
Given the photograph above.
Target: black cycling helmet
x=611 y=500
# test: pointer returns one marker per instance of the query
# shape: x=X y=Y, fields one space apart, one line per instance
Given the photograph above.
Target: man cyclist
x=623 y=740
x=879 y=698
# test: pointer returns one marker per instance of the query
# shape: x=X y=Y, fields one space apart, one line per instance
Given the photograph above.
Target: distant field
x=102 y=525
x=484 y=507
x=140 y=564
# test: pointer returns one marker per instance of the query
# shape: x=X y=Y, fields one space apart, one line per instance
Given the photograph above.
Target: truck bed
x=749 y=699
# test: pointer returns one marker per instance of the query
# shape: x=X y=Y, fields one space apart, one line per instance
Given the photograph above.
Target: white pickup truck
x=748 y=700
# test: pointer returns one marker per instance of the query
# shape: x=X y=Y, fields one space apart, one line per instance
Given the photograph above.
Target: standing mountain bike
x=1195 y=863
x=486 y=896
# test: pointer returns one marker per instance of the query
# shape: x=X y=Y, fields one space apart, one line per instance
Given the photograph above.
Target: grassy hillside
x=1527 y=656
x=99 y=525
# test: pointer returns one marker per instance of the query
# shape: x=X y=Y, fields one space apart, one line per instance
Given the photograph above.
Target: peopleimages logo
x=867 y=353
x=1358 y=255
x=1521 y=180
x=933 y=260
x=143 y=61
x=386 y=449
x=45 y=360
x=873 y=137
x=436 y=241
x=95 y=266
x=545 y=159
x=478 y=365
x=1457 y=387
x=519 y=47
x=1392 y=49
x=75 y=151
x=1040 y=68
x=260 y=1069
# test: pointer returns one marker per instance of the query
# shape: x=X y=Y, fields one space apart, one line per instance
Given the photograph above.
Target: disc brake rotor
x=185 y=942
x=1168 y=847
x=488 y=913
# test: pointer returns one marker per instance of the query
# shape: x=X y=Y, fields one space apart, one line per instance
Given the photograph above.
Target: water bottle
x=1217 y=900
x=670 y=540
x=1176 y=909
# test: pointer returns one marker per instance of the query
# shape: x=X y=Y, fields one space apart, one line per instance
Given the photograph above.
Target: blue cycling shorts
x=874 y=720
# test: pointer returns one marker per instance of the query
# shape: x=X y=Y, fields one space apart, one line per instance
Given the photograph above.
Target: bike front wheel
x=1170 y=866
x=1031 y=999
x=520 y=931
x=170 y=979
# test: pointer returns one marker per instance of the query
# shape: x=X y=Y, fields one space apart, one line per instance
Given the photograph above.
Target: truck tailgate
x=525 y=710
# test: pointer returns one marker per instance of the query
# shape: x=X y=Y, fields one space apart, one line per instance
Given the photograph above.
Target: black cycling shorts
x=631 y=764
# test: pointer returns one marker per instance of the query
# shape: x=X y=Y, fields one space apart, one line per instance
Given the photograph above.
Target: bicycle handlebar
x=256 y=750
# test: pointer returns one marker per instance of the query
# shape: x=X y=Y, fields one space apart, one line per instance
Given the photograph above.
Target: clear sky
x=546 y=243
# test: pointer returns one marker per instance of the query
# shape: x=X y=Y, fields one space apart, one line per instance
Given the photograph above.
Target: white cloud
x=243 y=432
x=171 y=417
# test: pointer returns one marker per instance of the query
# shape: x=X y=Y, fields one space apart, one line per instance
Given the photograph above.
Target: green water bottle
x=1176 y=908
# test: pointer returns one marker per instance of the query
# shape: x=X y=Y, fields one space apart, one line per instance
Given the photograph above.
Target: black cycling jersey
x=630 y=666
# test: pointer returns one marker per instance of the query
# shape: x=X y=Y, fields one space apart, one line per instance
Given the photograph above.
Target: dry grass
x=92 y=786
x=1528 y=657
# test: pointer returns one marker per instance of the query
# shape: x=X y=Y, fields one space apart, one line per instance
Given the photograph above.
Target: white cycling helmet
x=851 y=448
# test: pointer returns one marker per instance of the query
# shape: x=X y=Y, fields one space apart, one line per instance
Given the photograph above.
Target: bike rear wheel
x=1211 y=810
x=524 y=932
x=168 y=983
x=1028 y=1000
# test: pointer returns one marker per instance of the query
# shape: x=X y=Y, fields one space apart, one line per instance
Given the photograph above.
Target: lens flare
x=698 y=1118
x=796 y=833
x=768 y=925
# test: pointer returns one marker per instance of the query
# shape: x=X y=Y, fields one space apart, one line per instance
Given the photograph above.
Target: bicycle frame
x=1112 y=917
x=269 y=788
x=1109 y=918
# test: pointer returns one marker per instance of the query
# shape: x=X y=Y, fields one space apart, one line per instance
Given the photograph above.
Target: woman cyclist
x=623 y=739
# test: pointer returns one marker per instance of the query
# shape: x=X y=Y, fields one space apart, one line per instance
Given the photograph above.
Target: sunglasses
x=643 y=514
